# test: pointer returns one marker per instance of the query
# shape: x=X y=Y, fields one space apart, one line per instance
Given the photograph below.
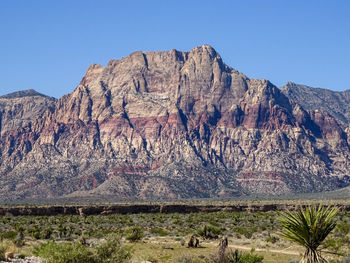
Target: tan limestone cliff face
x=176 y=125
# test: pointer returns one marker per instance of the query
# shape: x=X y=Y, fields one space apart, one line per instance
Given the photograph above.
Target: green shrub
x=9 y=235
x=159 y=231
x=245 y=231
x=234 y=256
x=209 y=231
x=332 y=244
x=343 y=228
x=47 y=233
x=272 y=239
x=134 y=234
x=36 y=235
x=178 y=221
x=3 y=248
x=65 y=252
x=112 y=251
x=252 y=258
x=242 y=257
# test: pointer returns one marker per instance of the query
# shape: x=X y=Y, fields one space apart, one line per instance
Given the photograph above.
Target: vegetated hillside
x=169 y=125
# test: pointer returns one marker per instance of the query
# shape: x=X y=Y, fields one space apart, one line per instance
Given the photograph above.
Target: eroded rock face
x=334 y=102
x=169 y=125
x=20 y=125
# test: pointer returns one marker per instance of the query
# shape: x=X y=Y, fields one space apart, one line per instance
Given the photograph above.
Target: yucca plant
x=309 y=227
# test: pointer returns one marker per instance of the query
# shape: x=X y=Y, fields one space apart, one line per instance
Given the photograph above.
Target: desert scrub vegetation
x=134 y=234
x=109 y=250
x=4 y=247
x=72 y=227
x=252 y=229
x=229 y=256
x=236 y=256
x=210 y=231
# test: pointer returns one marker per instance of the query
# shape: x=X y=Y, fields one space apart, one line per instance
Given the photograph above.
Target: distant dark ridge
x=145 y=208
x=24 y=93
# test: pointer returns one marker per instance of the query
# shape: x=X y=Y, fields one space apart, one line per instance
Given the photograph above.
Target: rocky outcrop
x=169 y=125
x=20 y=126
x=334 y=103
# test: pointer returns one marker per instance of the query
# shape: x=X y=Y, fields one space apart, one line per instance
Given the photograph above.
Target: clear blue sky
x=48 y=45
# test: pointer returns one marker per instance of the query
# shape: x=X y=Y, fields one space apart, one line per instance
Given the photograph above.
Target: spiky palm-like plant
x=309 y=227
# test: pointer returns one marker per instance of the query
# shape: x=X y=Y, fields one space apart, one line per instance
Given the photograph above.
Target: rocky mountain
x=170 y=125
x=311 y=99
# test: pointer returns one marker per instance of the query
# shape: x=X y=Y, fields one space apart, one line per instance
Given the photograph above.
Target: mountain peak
x=23 y=93
x=173 y=124
x=205 y=49
x=290 y=83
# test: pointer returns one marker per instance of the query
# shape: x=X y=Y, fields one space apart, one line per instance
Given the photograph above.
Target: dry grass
x=167 y=250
